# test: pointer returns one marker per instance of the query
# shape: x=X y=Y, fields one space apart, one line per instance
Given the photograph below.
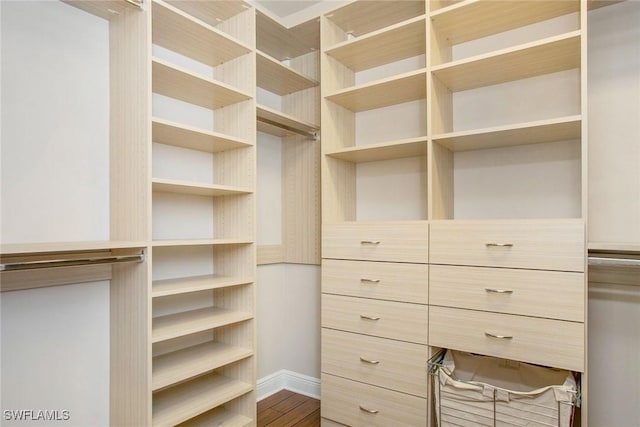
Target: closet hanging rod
x=310 y=135
x=613 y=261
x=54 y=263
x=136 y=3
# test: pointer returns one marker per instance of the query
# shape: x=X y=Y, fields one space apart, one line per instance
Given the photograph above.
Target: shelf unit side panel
x=130 y=311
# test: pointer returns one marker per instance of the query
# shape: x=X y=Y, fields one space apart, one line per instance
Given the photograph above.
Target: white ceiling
x=284 y=8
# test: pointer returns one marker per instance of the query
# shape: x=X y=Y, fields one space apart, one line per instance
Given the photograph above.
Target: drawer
x=386 y=363
x=541 y=245
x=542 y=341
x=386 y=319
x=359 y=405
x=399 y=241
x=378 y=280
x=550 y=294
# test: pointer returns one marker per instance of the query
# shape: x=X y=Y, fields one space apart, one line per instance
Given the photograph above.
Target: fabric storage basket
x=474 y=390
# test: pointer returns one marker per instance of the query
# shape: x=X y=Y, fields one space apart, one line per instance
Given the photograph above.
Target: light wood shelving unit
x=203 y=358
x=362 y=36
x=288 y=69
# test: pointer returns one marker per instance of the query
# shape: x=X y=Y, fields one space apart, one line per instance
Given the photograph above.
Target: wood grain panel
x=385 y=319
x=538 y=244
x=378 y=280
x=398 y=89
x=398 y=241
x=411 y=147
x=180 y=135
x=549 y=294
x=279 y=78
x=542 y=341
x=391 y=364
x=343 y=399
x=270 y=254
x=363 y=17
x=541 y=57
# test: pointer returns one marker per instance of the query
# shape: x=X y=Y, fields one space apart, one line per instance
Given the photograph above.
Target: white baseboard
x=288 y=380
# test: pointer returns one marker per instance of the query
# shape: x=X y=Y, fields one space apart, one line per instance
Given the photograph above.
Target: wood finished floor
x=288 y=409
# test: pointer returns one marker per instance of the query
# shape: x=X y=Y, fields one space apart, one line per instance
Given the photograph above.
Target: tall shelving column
x=203 y=181
x=374 y=212
x=288 y=74
x=507 y=168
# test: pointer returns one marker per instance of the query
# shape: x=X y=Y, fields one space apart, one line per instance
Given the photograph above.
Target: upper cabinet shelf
x=532 y=59
x=562 y=129
x=474 y=19
x=196 y=189
x=176 y=30
x=179 y=83
x=179 y=135
x=363 y=17
x=65 y=247
x=283 y=43
x=106 y=9
x=399 y=41
x=398 y=89
x=412 y=147
x=278 y=78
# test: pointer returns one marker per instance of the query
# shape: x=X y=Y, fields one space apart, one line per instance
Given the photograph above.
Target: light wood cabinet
x=496 y=211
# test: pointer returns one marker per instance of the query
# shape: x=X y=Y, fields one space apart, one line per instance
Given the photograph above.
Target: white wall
x=55 y=187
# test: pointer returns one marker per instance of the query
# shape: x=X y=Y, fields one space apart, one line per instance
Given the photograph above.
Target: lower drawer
x=542 y=341
x=356 y=404
x=386 y=363
x=386 y=319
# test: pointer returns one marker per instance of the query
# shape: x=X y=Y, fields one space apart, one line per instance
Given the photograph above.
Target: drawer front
x=541 y=341
x=370 y=241
x=359 y=405
x=378 y=280
x=548 y=245
x=386 y=319
x=386 y=363
x=550 y=294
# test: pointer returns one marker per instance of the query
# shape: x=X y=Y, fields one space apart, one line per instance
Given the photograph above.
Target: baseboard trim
x=288 y=380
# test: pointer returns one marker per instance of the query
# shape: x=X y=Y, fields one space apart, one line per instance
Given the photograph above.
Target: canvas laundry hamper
x=473 y=390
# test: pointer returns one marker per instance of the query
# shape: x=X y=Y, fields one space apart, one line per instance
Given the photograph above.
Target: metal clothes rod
x=311 y=135
x=53 y=263
x=613 y=262
x=136 y=3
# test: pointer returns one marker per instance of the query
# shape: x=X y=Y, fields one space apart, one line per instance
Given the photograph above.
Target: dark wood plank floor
x=288 y=409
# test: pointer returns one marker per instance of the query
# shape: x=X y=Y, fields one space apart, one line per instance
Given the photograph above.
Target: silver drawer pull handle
x=369 y=242
x=500 y=337
x=367 y=410
x=364 y=280
x=498 y=291
x=499 y=245
x=363 y=316
x=371 y=362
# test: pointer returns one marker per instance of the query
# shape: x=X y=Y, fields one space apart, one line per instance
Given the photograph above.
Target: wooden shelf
x=474 y=19
x=65 y=247
x=545 y=56
x=364 y=17
x=189 y=322
x=175 y=30
x=106 y=9
x=278 y=78
x=179 y=135
x=398 y=89
x=210 y=12
x=179 y=83
x=286 y=123
x=390 y=44
x=285 y=43
x=412 y=147
x=183 y=285
x=175 y=367
x=200 y=242
x=562 y=129
x=196 y=189
x=219 y=417
x=185 y=401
